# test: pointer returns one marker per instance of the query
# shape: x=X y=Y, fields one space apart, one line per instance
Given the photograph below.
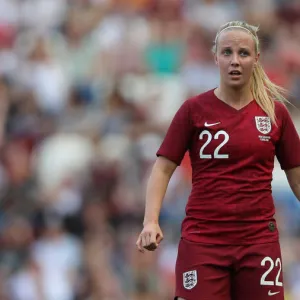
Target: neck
x=236 y=98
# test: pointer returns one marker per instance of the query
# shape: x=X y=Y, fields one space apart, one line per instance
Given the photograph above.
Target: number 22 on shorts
x=264 y=280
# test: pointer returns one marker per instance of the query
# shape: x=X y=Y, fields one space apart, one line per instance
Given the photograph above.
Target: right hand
x=150 y=237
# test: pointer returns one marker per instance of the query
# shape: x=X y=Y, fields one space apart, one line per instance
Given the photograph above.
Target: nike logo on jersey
x=272 y=294
x=212 y=124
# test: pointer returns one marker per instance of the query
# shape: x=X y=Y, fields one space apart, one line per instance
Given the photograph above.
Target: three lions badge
x=263 y=124
x=189 y=279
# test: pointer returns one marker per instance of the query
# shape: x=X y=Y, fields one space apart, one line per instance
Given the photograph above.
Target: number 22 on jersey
x=207 y=134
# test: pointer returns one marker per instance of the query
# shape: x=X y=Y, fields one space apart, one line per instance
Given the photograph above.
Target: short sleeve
x=288 y=146
x=177 y=139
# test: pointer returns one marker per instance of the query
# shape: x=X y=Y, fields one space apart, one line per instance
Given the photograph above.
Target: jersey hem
x=232 y=243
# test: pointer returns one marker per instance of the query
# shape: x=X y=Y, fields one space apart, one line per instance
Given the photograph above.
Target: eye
x=227 y=52
x=244 y=53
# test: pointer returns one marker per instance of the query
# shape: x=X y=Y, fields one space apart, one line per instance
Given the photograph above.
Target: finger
x=148 y=239
x=138 y=242
x=144 y=241
x=159 y=238
x=153 y=239
x=139 y=246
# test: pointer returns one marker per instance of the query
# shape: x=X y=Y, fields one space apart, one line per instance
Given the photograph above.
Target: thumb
x=153 y=239
x=159 y=237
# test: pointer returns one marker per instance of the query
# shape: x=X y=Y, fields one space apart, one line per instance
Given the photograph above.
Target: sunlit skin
x=236 y=52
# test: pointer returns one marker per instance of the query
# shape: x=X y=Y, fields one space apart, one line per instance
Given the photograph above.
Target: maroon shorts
x=217 y=272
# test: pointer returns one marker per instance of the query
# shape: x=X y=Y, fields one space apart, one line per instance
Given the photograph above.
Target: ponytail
x=265 y=92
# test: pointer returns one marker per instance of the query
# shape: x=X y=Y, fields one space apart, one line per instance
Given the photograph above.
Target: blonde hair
x=263 y=89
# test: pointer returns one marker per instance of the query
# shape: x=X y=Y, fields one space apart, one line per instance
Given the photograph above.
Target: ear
x=257 y=58
x=216 y=59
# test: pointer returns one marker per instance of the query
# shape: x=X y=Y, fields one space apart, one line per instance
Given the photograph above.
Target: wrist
x=147 y=222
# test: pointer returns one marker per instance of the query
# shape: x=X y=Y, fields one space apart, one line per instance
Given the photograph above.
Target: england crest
x=263 y=124
x=190 y=279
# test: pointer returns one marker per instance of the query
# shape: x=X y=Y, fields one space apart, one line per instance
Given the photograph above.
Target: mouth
x=235 y=74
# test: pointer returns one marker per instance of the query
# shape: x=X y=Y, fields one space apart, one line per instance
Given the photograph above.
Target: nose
x=235 y=60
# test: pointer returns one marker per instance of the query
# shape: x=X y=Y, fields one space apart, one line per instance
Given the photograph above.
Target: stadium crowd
x=88 y=88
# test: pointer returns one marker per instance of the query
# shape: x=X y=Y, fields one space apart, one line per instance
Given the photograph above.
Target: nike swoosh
x=213 y=124
x=272 y=294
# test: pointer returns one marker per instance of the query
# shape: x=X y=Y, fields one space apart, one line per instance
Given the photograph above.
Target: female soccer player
x=229 y=247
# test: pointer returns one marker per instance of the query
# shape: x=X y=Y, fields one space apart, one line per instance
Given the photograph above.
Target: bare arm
x=151 y=235
x=293 y=176
x=161 y=174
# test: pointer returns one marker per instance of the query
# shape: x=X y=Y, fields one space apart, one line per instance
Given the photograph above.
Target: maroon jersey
x=232 y=156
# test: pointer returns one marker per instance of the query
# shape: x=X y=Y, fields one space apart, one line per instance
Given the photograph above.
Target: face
x=236 y=57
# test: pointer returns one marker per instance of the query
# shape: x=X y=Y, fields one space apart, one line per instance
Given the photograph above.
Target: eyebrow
x=242 y=48
x=245 y=48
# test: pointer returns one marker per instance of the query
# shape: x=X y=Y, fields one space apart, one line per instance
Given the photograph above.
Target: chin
x=236 y=85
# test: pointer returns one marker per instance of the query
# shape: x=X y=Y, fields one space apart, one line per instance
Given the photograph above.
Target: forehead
x=236 y=37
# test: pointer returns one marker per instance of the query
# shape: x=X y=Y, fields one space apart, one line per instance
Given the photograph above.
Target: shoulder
x=283 y=115
x=281 y=109
x=201 y=99
x=196 y=106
